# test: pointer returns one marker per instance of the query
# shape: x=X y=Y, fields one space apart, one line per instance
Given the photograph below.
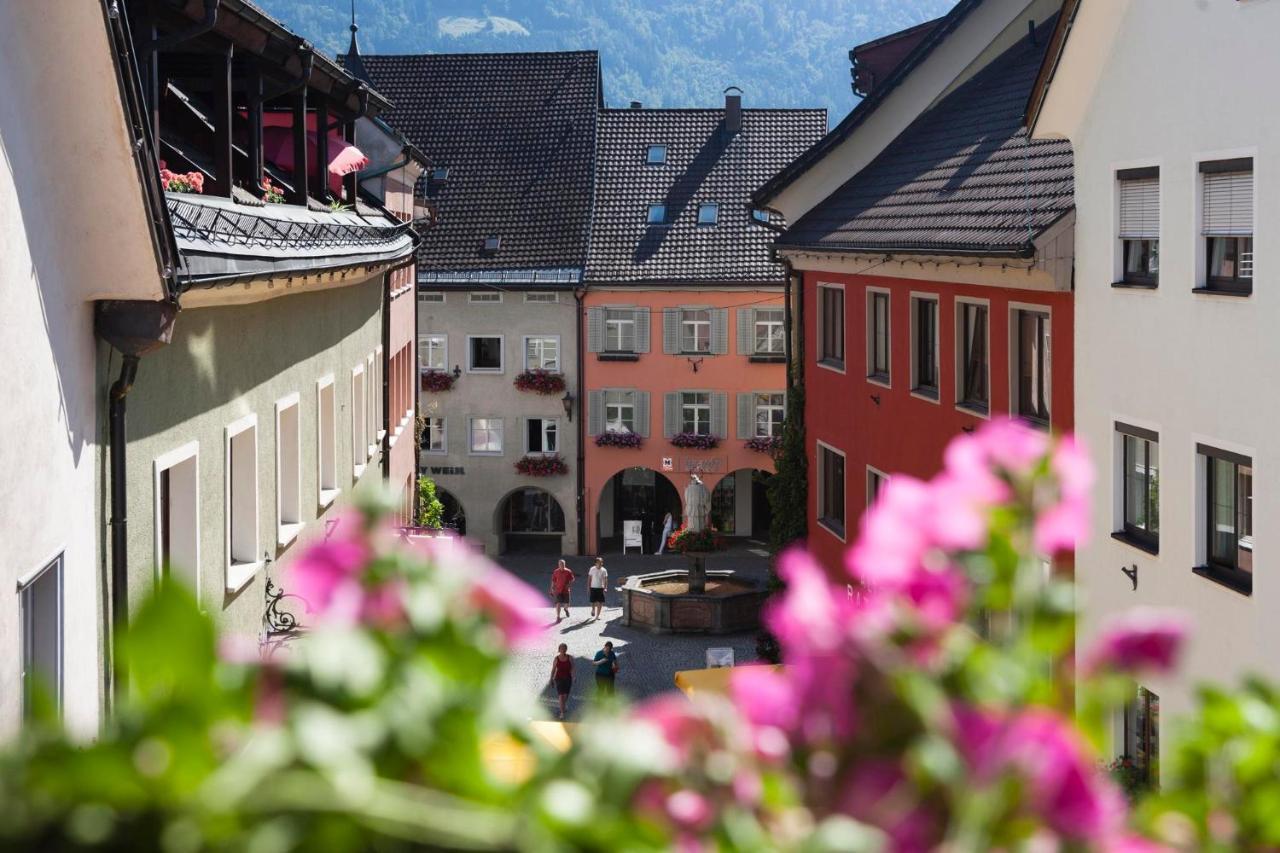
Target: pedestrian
x=606 y=670
x=562 y=676
x=598 y=582
x=561 y=583
x=667 y=524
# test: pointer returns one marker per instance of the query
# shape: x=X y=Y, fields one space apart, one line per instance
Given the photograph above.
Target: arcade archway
x=635 y=494
x=453 y=517
x=530 y=521
x=740 y=504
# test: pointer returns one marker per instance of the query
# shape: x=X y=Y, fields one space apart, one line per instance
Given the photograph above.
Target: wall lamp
x=567 y=401
x=457 y=372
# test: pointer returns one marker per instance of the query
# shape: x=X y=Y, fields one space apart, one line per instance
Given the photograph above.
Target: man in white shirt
x=598 y=581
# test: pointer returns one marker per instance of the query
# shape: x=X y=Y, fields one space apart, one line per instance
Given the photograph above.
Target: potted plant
x=619 y=438
x=175 y=182
x=695 y=440
x=542 y=466
x=686 y=541
x=540 y=381
x=271 y=193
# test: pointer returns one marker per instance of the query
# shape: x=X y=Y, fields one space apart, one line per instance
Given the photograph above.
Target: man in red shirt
x=561 y=582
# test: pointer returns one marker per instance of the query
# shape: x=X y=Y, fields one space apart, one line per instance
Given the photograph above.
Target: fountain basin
x=662 y=604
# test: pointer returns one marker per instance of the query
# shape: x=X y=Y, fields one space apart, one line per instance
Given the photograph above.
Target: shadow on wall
x=683 y=191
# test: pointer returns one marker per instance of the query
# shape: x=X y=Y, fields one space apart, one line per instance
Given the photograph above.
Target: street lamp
x=567 y=400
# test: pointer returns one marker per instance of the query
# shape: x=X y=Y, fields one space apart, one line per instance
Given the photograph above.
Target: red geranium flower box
x=540 y=381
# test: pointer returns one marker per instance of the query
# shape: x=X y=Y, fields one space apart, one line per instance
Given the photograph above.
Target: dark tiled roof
x=962 y=178
x=704 y=164
x=517 y=133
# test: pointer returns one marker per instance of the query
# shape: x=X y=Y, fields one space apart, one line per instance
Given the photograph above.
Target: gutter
x=1026 y=250
x=581 y=485
x=386 y=358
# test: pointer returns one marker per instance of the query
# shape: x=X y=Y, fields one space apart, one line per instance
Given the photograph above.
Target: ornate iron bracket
x=1132 y=575
x=279 y=625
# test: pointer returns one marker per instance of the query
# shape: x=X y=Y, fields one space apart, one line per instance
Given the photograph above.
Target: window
x=620 y=411
x=433 y=352
x=484 y=353
x=485 y=296
x=359 y=440
x=1228 y=508
x=875 y=482
x=542 y=436
x=486 y=436
x=1227 y=224
x=433 y=435
x=759 y=215
x=326 y=441
x=770 y=338
x=40 y=603
x=243 y=552
x=695 y=330
x=708 y=213
x=492 y=244
x=656 y=155
x=541 y=297
x=1142 y=736
x=831 y=326
x=542 y=353
x=372 y=394
x=1140 y=224
x=971 y=360
x=619 y=330
x=695 y=412
x=831 y=489
x=435 y=296
x=177 y=515
x=878 y=335
x=1031 y=360
x=770 y=410
x=656 y=214
x=1140 y=485
x=440 y=173
x=288 y=470
x=924 y=346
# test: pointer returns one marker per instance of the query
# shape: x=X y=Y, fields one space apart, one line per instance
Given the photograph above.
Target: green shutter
x=595 y=329
x=746 y=332
x=642 y=329
x=745 y=413
x=671 y=413
x=595 y=412
x=671 y=331
x=720 y=414
x=640 y=400
x=719 y=330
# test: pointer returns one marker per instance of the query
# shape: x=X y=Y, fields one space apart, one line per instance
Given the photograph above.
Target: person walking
x=606 y=670
x=597 y=583
x=668 y=523
x=561 y=584
x=562 y=676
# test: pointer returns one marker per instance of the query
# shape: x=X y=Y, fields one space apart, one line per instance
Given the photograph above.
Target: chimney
x=733 y=110
x=635 y=105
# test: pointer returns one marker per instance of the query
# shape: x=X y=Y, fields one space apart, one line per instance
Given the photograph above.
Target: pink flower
x=1065 y=525
x=1012 y=445
x=677 y=720
x=811 y=614
x=763 y=696
x=1143 y=640
x=327 y=573
x=511 y=604
x=877 y=792
x=689 y=810
x=892 y=542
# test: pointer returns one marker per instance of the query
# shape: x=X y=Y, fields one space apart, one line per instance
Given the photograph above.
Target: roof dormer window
x=656 y=215
x=708 y=213
x=656 y=155
x=440 y=174
x=492 y=244
x=760 y=215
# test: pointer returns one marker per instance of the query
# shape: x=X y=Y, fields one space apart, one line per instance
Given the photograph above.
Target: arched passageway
x=530 y=521
x=453 y=517
x=740 y=504
x=635 y=494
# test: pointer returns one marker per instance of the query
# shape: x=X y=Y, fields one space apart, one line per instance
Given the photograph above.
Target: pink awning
x=344 y=158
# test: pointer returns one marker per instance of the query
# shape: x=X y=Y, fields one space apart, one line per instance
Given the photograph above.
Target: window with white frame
x=359 y=443
x=831 y=326
x=541 y=297
x=770 y=410
x=875 y=482
x=1227 y=224
x=924 y=346
x=619 y=330
x=878 y=335
x=542 y=436
x=831 y=489
x=695 y=412
x=433 y=352
x=972 y=368
x=542 y=352
x=485 y=296
x=695 y=330
x=433 y=435
x=288 y=469
x=177 y=515
x=372 y=393
x=1227 y=502
x=1032 y=365
x=1139 y=232
x=485 y=436
x=326 y=440
x=620 y=411
x=243 y=549
x=40 y=606
x=770 y=337
x=431 y=296
x=379 y=402
x=1139 y=458
x=484 y=353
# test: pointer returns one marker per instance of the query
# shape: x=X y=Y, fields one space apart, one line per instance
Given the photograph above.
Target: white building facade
x=1177 y=158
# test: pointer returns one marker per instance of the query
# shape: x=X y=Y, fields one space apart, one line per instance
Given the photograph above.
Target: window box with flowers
x=626 y=439
x=540 y=381
x=695 y=441
x=176 y=182
x=770 y=444
x=436 y=381
x=542 y=466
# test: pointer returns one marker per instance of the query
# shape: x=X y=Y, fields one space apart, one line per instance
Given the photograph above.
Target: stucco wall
x=487 y=480
x=224 y=364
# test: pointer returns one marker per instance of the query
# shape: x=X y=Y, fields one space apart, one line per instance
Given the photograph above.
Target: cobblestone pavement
x=648 y=662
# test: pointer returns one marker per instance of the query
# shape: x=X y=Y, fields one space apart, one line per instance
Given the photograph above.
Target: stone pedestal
x=690 y=612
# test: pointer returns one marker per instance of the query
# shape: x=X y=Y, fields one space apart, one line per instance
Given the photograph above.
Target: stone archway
x=635 y=494
x=740 y=504
x=454 y=516
x=529 y=520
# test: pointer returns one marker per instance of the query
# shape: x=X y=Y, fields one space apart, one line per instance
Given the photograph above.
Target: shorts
x=605 y=684
x=564 y=686
x=562 y=598
x=597 y=595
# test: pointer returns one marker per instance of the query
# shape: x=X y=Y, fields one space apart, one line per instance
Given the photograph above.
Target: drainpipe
x=386 y=380
x=582 y=429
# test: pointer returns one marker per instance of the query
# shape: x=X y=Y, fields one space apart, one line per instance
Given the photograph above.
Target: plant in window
x=179 y=182
x=435 y=381
x=271 y=193
x=695 y=441
x=541 y=466
x=770 y=444
x=613 y=438
x=540 y=381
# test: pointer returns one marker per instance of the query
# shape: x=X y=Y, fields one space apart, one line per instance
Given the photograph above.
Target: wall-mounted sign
x=446 y=469
x=713 y=465
x=668 y=464
x=638 y=477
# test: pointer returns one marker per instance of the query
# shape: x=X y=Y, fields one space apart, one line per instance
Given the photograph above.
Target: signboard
x=632 y=536
x=668 y=464
x=713 y=465
x=719 y=656
x=638 y=477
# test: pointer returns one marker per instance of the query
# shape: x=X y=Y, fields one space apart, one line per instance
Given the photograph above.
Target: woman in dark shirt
x=562 y=676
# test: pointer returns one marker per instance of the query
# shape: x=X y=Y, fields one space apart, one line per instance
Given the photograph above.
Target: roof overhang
x=565 y=278
x=1081 y=43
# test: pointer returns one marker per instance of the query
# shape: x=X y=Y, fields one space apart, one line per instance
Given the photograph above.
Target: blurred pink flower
x=764 y=697
x=1143 y=640
x=811 y=614
x=512 y=604
x=1065 y=525
x=327 y=574
x=892 y=540
x=1012 y=445
x=689 y=810
x=877 y=792
x=677 y=720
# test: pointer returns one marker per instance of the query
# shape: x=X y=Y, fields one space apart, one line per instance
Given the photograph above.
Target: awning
x=710 y=681
x=344 y=158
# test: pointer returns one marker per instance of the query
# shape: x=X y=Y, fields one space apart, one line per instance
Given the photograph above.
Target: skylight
x=759 y=215
x=656 y=155
x=492 y=243
x=708 y=213
x=657 y=214
x=440 y=174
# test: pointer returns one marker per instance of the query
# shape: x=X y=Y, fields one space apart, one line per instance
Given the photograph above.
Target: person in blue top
x=606 y=669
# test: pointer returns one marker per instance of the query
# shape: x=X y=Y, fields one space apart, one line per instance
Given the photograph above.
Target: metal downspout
x=386 y=380
x=582 y=430
x=119 y=515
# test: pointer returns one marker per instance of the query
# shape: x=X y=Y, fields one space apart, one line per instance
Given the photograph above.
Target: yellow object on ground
x=513 y=762
x=714 y=681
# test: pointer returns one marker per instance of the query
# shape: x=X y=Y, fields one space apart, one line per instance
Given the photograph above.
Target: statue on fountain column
x=697 y=504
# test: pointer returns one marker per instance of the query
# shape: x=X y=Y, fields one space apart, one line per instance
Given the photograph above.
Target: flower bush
x=612 y=438
x=540 y=381
x=683 y=540
x=272 y=193
x=770 y=444
x=436 y=381
x=695 y=440
x=542 y=466
x=180 y=182
x=893 y=724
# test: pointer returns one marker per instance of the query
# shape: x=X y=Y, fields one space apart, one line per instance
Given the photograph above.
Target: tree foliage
x=430 y=509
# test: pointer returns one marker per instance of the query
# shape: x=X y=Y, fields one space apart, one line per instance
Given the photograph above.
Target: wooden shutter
x=1228 y=200
x=719 y=414
x=1140 y=209
x=671 y=331
x=670 y=413
x=640 y=400
x=642 y=329
x=595 y=412
x=745 y=413
x=719 y=330
x=595 y=329
x=746 y=331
